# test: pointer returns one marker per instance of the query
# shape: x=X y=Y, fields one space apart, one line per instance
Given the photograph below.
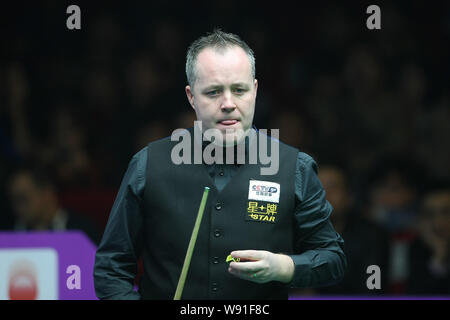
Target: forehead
x=222 y=66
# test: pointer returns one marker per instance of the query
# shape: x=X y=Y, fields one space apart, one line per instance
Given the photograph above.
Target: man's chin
x=232 y=137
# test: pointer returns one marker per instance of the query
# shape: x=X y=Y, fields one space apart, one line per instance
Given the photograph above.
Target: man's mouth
x=228 y=122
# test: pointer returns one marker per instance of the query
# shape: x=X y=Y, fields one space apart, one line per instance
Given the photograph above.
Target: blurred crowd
x=372 y=108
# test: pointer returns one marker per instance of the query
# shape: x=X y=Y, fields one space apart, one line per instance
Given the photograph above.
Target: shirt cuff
x=302 y=271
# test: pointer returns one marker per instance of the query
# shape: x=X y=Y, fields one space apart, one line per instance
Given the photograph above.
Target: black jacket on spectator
x=365 y=244
x=423 y=280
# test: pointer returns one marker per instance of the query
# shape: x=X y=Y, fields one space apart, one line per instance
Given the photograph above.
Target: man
x=366 y=243
x=429 y=257
x=393 y=188
x=283 y=238
x=35 y=205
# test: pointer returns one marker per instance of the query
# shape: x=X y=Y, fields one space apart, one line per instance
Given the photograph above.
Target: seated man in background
x=35 y=205
x=365 y=243
x=429 y=258
x=392 y=200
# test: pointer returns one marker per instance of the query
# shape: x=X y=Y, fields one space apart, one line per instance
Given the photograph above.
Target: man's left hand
x=262 y=266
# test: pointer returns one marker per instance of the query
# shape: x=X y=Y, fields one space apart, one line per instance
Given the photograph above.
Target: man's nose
x=227 y=102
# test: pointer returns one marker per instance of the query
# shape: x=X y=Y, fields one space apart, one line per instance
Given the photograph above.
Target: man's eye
x=213 y=93
x=239 y=90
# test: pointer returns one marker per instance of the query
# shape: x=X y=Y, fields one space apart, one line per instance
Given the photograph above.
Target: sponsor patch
x=264 y=191
x=262 y=211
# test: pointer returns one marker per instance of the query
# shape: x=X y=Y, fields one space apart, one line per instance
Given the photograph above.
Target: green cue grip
x=190 y=249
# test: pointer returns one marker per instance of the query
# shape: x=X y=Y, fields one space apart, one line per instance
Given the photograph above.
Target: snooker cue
x=190 y=249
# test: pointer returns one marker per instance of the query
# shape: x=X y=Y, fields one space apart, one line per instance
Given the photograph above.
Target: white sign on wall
x=28 y=274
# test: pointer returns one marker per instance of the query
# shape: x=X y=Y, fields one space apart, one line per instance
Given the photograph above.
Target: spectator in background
x=430 y=252
x=292 y=127
x=15 y=138
x=65 y=151
x=35 y=205
x=393 y=189
x=365 y=243
x=152 y=131
x=185 y=119
x=393 y=195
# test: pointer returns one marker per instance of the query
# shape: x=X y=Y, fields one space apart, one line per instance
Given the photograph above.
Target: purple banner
x=380 y=297
x=70 y=254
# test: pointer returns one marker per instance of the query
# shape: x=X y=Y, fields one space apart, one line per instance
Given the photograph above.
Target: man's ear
x=256 y=87
x=190 y=96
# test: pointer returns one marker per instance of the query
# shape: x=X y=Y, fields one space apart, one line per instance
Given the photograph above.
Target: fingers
x=252 y=255
x=255 y=277
x=249 y=267
x=248 y=272
x=252 y=266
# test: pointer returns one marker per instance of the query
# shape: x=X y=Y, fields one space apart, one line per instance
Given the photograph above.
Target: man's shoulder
x=174 y=138
x=152 y=145
x=157 y=150
x=278 y=141
x=305 y=162
x=159 y=142
x=304 y=157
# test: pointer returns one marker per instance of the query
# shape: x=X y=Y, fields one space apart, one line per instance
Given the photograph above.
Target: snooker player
x=281 y=238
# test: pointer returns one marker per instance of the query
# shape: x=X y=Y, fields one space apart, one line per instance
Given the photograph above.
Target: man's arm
x=320 y=260
x=117 y=255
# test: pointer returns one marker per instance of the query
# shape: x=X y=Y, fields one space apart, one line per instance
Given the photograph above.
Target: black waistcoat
x=231 y=221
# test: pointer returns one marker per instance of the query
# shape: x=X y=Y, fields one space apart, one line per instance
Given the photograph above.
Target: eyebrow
x=219 y=86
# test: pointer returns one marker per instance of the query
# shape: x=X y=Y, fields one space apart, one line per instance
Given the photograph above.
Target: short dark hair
x=218 y=40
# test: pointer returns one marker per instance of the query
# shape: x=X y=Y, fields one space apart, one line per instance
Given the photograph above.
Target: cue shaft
x=190 y=249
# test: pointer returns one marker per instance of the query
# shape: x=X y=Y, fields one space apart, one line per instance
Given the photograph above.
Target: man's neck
x=236 y=153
